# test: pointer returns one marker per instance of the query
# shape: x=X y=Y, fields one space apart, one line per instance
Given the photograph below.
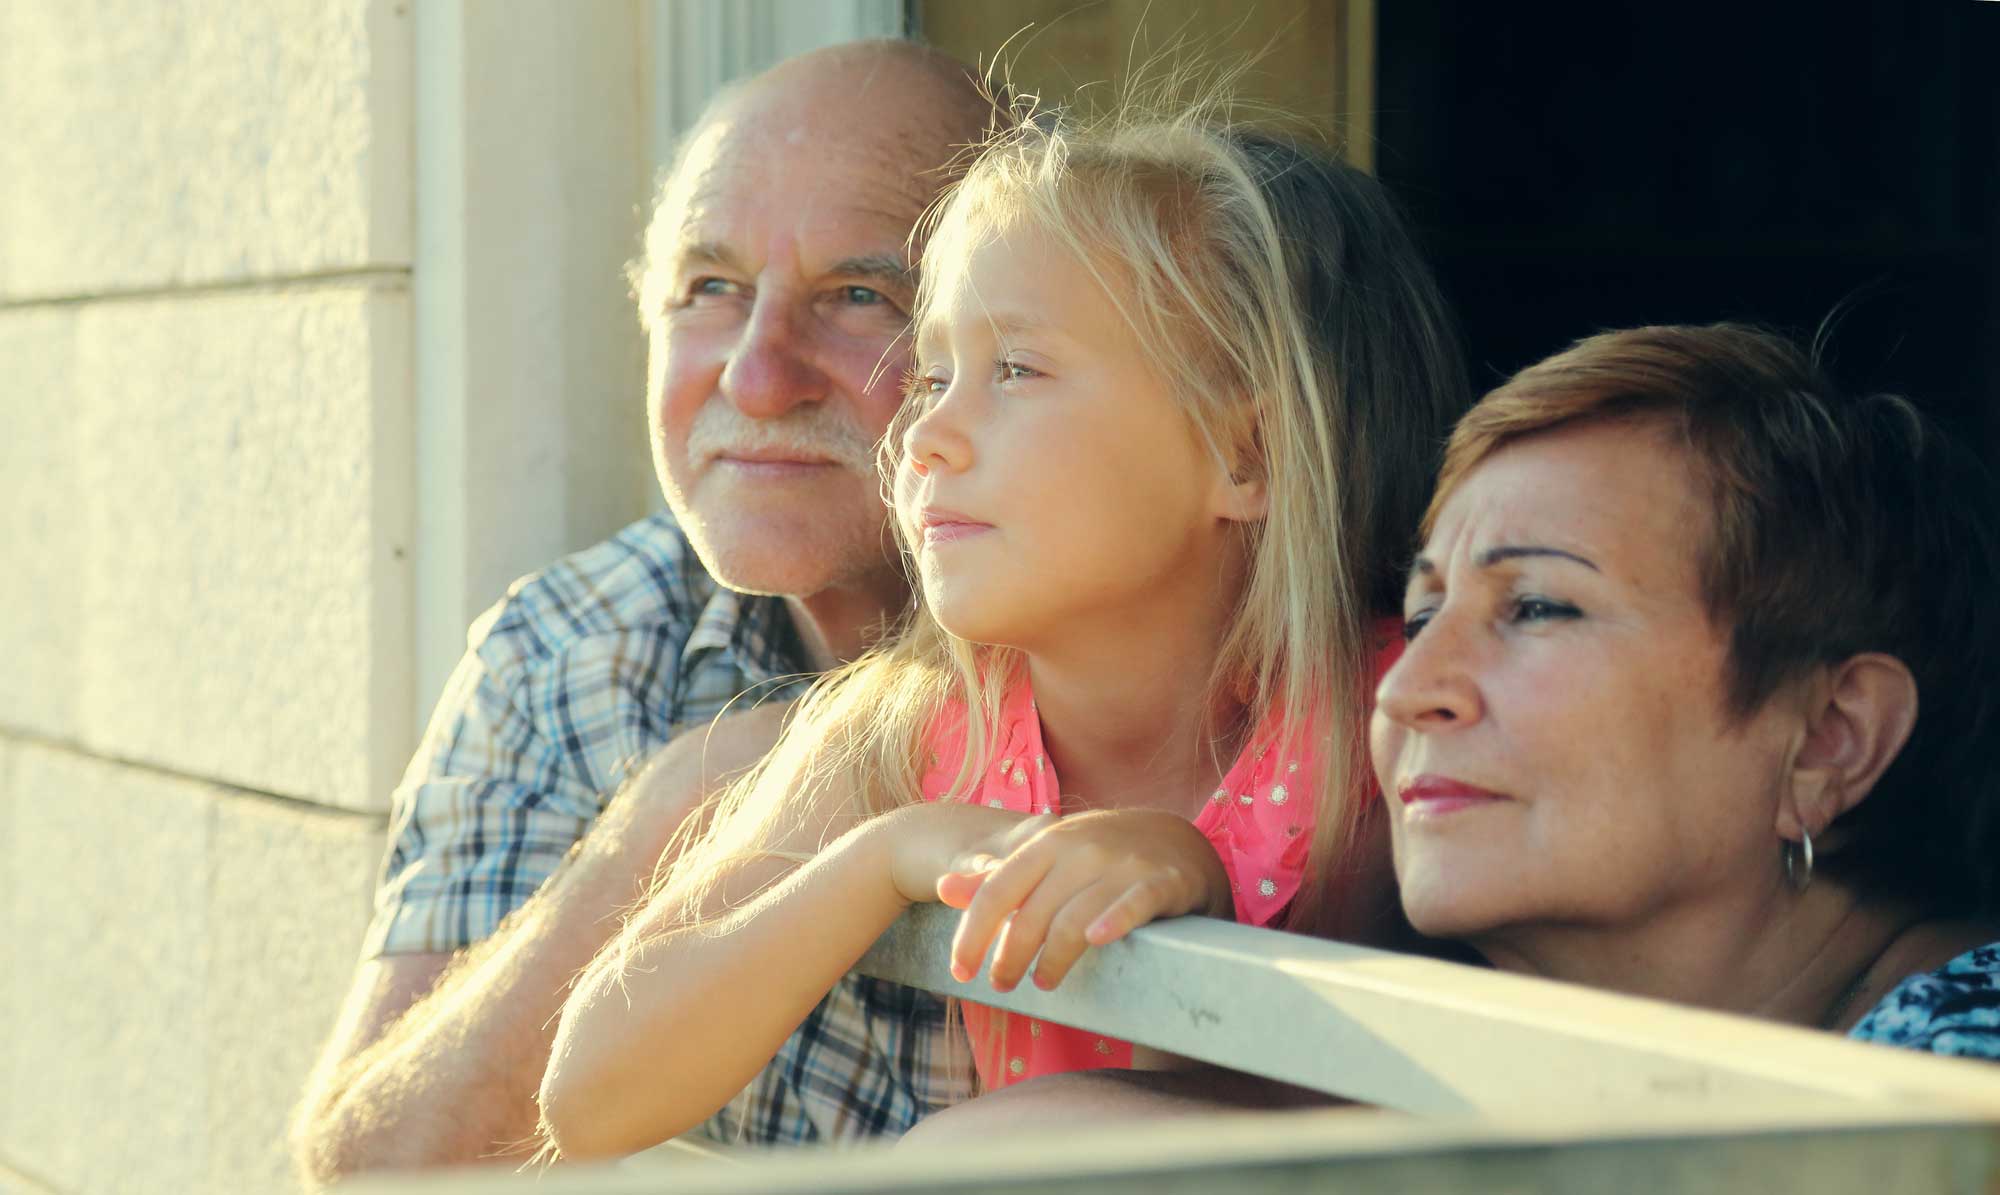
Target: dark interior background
x=1825 y=168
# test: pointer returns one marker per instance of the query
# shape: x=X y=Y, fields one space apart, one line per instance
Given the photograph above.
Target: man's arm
x=436 y=1058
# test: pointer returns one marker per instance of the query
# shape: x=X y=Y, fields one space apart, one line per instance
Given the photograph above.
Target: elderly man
x=775 y=291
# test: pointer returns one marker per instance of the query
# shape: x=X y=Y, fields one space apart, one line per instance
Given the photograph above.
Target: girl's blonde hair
x=1281 y=297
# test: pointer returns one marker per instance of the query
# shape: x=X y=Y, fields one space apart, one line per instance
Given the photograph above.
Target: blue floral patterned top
x=1952 y=1010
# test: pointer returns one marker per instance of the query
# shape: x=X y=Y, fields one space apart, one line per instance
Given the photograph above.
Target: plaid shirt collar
x=751 y=636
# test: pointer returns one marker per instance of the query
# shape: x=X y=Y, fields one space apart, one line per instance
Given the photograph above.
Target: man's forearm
x=453 y=1079
x=450 y=1077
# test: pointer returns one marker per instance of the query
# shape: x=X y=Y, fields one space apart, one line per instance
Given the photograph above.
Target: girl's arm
x=652 y=1044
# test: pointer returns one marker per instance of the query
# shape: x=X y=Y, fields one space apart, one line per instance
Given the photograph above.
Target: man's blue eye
x=710 y=286
x=862 y=296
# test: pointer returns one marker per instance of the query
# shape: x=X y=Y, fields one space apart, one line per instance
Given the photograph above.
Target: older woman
x=1699 y=696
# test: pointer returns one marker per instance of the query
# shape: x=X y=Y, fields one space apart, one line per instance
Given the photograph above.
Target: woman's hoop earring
x=1799 y=861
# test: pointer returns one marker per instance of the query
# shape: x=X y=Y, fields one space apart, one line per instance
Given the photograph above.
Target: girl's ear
x=1858 y=722
x=1241 y=492
x=1242 y=499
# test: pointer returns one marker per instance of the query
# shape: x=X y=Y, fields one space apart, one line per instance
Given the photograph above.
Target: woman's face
x=1554 y=745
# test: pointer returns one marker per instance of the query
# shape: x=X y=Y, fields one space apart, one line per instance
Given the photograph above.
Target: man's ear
x=1860 y=717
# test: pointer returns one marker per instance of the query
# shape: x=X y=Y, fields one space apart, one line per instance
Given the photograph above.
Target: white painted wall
x=313 y=336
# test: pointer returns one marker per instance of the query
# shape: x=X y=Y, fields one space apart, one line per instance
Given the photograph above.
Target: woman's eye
x=1414 y=623
x=1535 y=609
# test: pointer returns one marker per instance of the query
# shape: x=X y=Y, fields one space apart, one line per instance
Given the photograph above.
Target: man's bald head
x=776 y=290
x=905 y=109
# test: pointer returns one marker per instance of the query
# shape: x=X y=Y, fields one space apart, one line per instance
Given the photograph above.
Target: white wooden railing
x=1512 y=1083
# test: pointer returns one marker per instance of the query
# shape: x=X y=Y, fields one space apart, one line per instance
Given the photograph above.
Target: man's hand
x=411 y=1079
x=1056 y=887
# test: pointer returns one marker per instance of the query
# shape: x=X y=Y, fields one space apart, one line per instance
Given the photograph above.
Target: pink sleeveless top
x=1259 y=821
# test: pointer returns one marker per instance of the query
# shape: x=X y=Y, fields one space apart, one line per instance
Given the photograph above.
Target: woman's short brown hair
x=1840 y=525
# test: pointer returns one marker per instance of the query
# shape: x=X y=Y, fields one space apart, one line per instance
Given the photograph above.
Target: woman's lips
x=1435 y=796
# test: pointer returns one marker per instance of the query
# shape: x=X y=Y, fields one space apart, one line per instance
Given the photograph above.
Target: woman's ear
x=1860 y=717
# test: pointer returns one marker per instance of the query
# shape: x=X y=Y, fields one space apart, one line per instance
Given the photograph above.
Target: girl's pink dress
x=1259 y=820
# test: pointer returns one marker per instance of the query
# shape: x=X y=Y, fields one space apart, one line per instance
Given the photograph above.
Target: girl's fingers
x=1137 y=905
x=957 y=888
x=1004 y=890
x=1025 y=932
x=1067 y=937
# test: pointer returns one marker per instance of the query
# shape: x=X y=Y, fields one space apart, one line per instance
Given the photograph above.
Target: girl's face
x=1554 y=745
x=1052 y=489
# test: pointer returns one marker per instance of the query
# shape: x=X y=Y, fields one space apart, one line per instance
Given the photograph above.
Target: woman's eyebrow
x=1423 y=567
x=1495 y=555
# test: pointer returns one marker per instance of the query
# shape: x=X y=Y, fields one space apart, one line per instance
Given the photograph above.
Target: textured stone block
x=153 y=144
x=288 y=900
x=176 y=953
x=41 y=544
x=244 y=477
x=107 y=1088
x=10 y=952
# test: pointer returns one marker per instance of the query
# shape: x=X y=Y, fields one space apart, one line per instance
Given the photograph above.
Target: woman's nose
x=1432 y=687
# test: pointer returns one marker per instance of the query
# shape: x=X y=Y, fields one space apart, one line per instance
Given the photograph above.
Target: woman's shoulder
x=1951 y=1008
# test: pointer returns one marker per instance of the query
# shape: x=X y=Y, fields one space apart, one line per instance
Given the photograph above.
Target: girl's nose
x=936 y=439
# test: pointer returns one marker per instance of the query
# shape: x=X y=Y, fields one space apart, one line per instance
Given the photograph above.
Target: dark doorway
x=1578 y=167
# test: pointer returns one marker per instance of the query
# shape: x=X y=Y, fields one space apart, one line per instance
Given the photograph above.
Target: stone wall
x=205 y=579
x=313 y=336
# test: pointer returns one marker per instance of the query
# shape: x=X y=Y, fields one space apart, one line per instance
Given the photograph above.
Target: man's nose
x=771 y=368
x=1433 y=686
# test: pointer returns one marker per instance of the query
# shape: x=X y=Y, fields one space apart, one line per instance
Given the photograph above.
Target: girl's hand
x=1056 y=887
x=929 y=841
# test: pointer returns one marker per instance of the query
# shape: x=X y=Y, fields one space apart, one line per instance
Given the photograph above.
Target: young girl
x=1176 y=399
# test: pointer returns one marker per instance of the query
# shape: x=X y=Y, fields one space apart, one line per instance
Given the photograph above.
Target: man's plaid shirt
x=578 y=675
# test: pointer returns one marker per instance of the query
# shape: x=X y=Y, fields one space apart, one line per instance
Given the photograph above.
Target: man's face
x=779 y=351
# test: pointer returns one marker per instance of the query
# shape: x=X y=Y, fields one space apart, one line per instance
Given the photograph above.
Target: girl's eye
x=1538 y=609
x=1010 y=371
x=1415 y=623
x=921 y=387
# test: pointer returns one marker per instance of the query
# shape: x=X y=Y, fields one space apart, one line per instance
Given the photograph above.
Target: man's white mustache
x=810 y=431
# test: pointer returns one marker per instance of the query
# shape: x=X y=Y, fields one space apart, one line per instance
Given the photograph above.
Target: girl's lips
x=944 y=526
x=940 y=533
x=1435 y=796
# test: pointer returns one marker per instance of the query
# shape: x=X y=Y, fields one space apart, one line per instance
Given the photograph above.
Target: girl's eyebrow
x=1003 y=324
x=1012 y=323
x=1492 y=556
